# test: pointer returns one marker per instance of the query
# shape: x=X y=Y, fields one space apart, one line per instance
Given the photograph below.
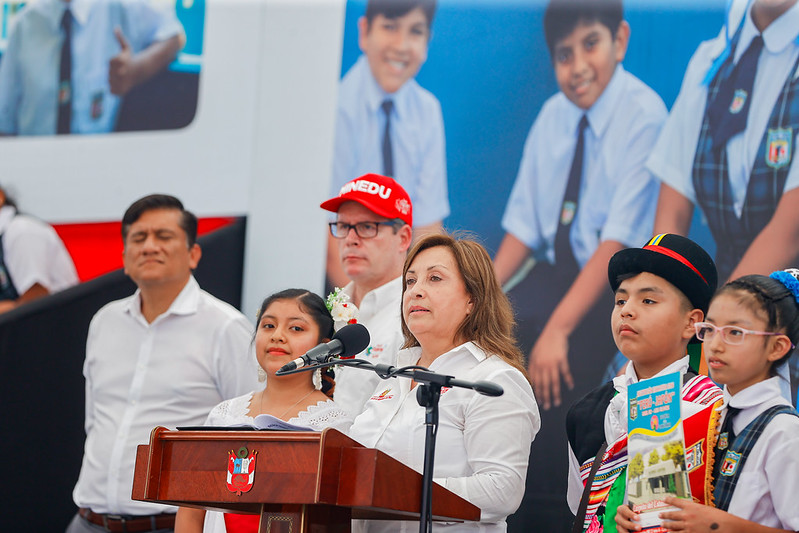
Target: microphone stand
x=428 y=395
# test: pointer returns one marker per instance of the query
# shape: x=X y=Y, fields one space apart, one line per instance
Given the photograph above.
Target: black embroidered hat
x=678 y=260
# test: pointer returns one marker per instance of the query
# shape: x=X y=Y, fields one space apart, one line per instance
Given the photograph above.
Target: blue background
x=192 y=18
x=489 y=66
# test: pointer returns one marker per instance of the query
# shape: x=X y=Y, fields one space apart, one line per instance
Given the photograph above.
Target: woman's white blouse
x=483 y=442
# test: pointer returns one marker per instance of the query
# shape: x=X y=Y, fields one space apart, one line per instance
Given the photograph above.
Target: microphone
x=350 y=340
x=486 y=388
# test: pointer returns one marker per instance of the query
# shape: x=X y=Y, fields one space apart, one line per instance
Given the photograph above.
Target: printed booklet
x=655 y=448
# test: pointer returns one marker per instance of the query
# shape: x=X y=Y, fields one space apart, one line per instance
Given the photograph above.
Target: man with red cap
x=372 y=230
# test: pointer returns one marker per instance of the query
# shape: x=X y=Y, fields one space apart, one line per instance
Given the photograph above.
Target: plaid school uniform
x=711 y=180
x=737 y=453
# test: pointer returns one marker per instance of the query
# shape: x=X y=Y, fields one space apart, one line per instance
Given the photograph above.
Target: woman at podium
x=289 y=323
x=457 y=321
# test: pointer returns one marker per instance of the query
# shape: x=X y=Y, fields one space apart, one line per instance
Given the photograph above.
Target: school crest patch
x=240 y=470
x=97 y=105
x=779 y=145
x=567 y=212
x=693 y=456
x=723 y=441
x=738 y=101
x=730 y=464
x=64 y=92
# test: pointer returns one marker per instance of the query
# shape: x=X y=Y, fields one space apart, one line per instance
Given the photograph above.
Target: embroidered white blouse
x=325 y=414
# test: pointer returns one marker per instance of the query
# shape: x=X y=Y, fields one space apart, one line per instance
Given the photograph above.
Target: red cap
x=377 y=193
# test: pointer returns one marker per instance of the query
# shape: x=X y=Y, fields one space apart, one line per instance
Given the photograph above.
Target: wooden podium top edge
x=294 y=436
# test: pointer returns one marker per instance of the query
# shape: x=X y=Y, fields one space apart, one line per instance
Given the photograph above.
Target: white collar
x=629 y=377
x=779 y=34
x=53 y=10
x=409 y=356
x=754 y=395
x=606 y=106
x=380 y=297
x=186 y=303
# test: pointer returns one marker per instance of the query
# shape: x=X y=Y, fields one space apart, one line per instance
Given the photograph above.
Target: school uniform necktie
x=65 y=77
x=729 y=110
x=564 y=255
x=388 y=155
x=725 y=440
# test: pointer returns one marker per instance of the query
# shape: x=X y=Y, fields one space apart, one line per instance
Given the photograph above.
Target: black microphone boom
x=349 y=341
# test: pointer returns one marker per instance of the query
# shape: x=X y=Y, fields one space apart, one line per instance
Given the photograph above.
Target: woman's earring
x=261 y=374
x=317 y=379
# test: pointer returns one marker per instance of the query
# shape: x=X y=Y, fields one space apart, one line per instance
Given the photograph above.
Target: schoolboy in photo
x=68 y=63
x=728 y=145
x=661 y=291
x=386 y=122
x=581 y=194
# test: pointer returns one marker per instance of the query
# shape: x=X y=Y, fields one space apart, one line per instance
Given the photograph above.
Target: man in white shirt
x=373 y=232
x=33 y=260
x=164 y=356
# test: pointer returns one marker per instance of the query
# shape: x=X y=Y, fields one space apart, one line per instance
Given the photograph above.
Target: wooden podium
x=302 y=481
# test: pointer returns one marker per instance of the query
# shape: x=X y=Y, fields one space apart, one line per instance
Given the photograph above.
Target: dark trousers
x=591 y=347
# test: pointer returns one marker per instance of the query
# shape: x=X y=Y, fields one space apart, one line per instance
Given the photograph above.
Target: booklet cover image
x=655 y=448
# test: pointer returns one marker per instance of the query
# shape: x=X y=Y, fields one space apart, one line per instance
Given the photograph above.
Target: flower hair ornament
x=341 y=309
x=790 y=278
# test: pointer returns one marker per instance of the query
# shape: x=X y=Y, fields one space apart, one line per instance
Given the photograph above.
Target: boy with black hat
x=662 y=290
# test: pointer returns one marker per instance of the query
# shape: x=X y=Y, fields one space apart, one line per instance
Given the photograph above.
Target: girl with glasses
x=751 y=329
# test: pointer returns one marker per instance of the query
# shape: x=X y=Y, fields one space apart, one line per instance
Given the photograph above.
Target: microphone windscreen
x=487 y=388
x=354 y=339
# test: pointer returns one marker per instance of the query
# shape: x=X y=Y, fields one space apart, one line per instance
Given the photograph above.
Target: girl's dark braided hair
x=775 y=300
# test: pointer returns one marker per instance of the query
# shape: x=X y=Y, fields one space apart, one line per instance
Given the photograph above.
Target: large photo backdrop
x=243 y=122
x=489 y=67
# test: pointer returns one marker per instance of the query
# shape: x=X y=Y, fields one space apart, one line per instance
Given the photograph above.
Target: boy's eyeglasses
x=364 y=230
x=729 y=334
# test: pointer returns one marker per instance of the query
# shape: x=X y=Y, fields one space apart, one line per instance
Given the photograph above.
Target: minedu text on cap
x=675 y=258
x=377 y=193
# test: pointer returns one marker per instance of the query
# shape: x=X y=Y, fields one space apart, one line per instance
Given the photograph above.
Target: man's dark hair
x=562 y=16
x=392 y=9
x=188 y=222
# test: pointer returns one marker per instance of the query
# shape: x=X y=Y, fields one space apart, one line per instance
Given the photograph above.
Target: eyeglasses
x=364 y=230
x=729 y=334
